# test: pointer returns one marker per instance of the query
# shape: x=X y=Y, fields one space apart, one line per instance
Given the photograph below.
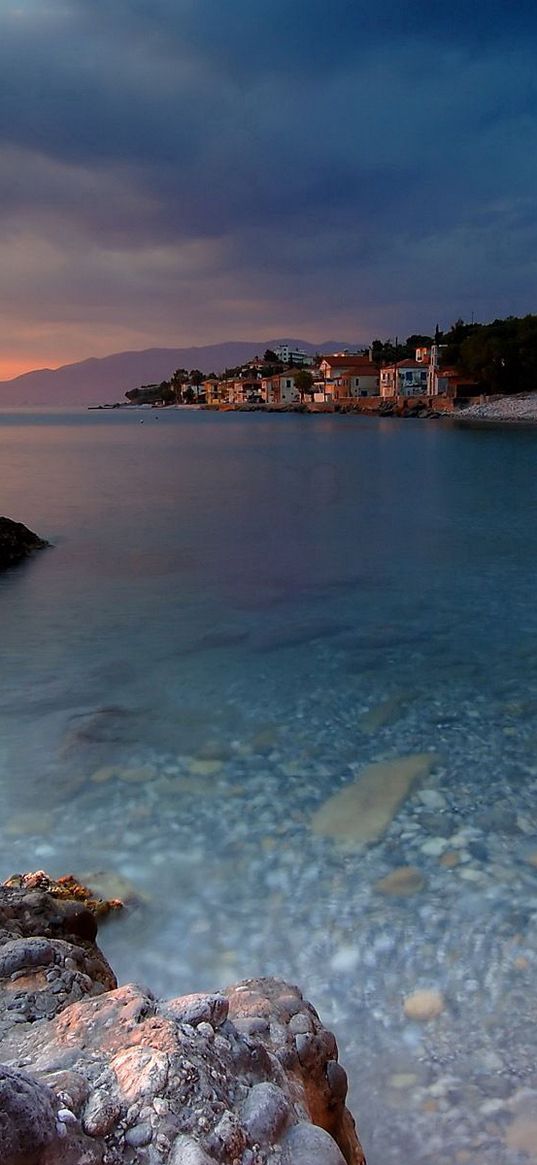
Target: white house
x=349 y=376
x=406 y=378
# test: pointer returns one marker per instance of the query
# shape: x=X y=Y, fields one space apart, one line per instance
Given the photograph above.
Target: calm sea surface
x=238 y=614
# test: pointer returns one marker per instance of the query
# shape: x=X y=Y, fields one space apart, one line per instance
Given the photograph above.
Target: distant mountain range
x=105 y=379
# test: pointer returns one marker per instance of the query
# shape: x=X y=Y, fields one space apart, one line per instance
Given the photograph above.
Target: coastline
x=521 y=408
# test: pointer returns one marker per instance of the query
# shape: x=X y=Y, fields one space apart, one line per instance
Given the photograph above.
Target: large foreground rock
x=17 y=542
x=93 y=1074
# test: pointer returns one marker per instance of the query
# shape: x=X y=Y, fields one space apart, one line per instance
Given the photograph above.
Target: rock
x=424 y=1005
x=139 y=1135
x=265 y=740
x=136 y=775
x=214 y=750
x=305 y=1144
x=101 y=1114
x=186 y=1151
x=450 y=858
x=114 y=887
x=264 y=1113
x=499 y=818
x=200 y=767
x=432 y=799
x=381 y=715
x=521 y=1136
x=27 y=1116
x=124 y=1077
x=29 y=823
x=199 y=1008
x=403 y=1080
x=434 y=847
x=361 y=812
x=401 y=882
x=17 y=542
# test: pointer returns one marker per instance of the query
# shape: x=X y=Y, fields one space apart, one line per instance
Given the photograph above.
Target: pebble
x=29 y=823
x=139 y=1135
x=434 y=847
x=432 y=799
x=200 y=767
x=424 y=1005
x=471 y=875
x=401 y=882
x=402 y=1080
x=305 y=1144
x=449 y=859
x=264 y=1113
x=345 y=959
x=522 y=1135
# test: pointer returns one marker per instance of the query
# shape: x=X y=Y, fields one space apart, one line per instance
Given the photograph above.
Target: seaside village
x=287 y=377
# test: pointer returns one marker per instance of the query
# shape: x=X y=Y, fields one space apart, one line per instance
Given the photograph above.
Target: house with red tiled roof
x=347 y=377
x=280 y=389
x=406 y=378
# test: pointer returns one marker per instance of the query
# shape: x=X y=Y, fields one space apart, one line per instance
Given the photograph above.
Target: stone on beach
x=361 y=812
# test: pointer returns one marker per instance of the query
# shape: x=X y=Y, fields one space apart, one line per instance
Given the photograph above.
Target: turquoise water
x=199 y=663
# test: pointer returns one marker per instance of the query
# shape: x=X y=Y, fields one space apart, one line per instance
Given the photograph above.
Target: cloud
x=182 y=167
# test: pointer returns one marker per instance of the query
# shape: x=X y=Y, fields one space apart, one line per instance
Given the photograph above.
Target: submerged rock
x=401 y=882
x=17 y=542
x=113 y=1075
x=361 y=812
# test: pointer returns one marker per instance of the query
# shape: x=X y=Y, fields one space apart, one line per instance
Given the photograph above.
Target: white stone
x=345 y=959
x=434 y=847
x=471 y=875
x=432 y=799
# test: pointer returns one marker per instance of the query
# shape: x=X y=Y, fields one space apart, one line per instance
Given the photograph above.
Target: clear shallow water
x=199 y=663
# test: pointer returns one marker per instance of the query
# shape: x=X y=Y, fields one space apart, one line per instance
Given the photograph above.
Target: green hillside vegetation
x=500 y=357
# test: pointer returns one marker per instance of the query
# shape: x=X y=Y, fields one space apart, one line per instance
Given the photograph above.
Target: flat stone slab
x=362 y=811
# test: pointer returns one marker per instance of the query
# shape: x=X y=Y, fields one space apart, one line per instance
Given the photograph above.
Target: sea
x=236 y=616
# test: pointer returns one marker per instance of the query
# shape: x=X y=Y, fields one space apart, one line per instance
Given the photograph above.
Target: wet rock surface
x=17 y=542
x=95 y=1074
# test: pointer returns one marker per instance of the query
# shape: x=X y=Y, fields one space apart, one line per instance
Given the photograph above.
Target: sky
x=175 y=172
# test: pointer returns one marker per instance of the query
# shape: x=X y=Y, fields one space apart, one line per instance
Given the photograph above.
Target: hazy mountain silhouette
x=105 y=379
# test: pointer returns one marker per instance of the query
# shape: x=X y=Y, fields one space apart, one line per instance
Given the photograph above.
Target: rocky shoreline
x=93 y=1074
x=520 y=407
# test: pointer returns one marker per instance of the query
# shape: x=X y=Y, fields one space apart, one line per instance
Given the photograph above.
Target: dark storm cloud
x=345 y=148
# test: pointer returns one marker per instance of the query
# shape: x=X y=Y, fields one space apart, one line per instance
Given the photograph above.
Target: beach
x=519 y=407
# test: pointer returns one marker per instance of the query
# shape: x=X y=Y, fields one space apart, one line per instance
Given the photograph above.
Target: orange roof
x=349 y=361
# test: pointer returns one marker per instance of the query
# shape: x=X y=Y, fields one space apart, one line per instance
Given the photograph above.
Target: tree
x=270 y=357
x=178 y=379
x=196 y=378
x=304 y=383
x=166 y=392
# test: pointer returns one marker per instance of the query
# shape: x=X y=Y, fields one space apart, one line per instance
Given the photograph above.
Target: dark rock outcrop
x=93 y=1074
x=17 y=542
